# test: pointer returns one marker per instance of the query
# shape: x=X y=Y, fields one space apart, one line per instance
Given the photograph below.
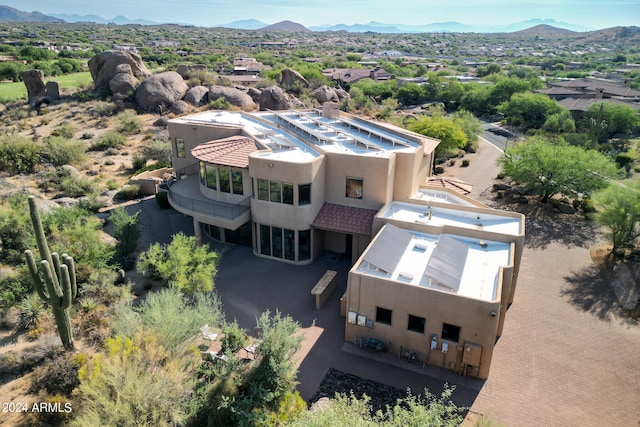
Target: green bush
x=109 y=140
x=56 y=376
x=128 y=122
x=233 y=338
x=18 y=154
x=162 y=197
x=14 y=287
x=65 y=130
x=59 y=151
x=31 y=307
x=126 y=231
x=159 y=150
x=183 y=264
x=220 y=104
x=139 y=161
x=16 y=232
x=129 y=192
x=73 y=186
x=465 y=162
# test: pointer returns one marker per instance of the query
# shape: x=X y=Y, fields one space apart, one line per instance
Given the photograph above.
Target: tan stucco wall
x=365 y=293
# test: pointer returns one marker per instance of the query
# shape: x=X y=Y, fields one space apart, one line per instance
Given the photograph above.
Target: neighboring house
x=352 y=75
x=294 y=184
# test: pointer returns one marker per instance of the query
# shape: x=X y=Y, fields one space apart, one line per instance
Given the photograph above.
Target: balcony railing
x=208 y=207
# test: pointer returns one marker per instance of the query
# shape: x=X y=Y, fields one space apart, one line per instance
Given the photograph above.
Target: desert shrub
x=56 y=376
x=136 y=382
x=54 y=418
x=15 y=228
x=128 y=123
x=159 y=150
x=183 y=264
x=100 y=287
x=465 y=163
x=112 y=184
x=31 y=307
x=162 y=197
x=169 y=316
x=74 y=186
x=138 y=161
x=65 y=130
x=18 y=154
x=93 y=323
x=101 y=108
x=109 y=140
x=61 y=151
x=233 y=338
x=14 y=287
x=220 y=104
x=126 y=230
x=129 y=192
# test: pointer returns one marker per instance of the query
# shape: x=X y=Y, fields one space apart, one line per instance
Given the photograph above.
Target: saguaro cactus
x=59 y=287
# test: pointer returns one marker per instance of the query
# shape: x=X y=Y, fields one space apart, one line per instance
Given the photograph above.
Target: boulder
x=254 y=94
x=73 y=172
x=187 y=70
x=197 y=95
x=566 y=208
x=52 y=91
x=160 y=90
x=625 y=285
x=325 y=94
x=274 y=98
x=232 y=95
x=297 y=103
x=34 y=81
x=289 y=78
x=124 y=68
x=342 y=94
x=123 y=83
x=179 y=107
x=104 y=66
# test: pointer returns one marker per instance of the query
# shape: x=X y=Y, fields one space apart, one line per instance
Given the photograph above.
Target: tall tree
x=549 y=168
x=452 y=137
x=619 y=211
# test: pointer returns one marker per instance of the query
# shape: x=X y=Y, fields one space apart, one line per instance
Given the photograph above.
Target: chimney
x=330 y=110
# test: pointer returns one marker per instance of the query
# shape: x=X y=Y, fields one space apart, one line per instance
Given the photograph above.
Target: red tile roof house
x=433 y=271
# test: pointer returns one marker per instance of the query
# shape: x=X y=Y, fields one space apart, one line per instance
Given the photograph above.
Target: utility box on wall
x=471 y=354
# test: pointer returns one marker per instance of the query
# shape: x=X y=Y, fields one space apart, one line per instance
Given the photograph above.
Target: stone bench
x=323 y=289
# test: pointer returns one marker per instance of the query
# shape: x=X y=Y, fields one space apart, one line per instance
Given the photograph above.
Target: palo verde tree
x=59 y=287
x=452 y=137
x=549 y=168
x=619 y=211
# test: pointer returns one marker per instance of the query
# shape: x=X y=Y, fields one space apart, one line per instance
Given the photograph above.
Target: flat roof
x=418 y=261
x=441 y=215
x=440 y=196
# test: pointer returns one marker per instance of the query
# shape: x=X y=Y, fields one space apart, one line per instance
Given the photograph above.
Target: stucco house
x=429 y=265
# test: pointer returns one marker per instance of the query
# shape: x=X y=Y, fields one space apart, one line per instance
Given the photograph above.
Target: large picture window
x=290 y=245
x=275 y=193
x=265 y=240
x=276 y=242
x=354 y=188
x=304 y=245
x=263 y=189
x=210 y=173
x=287 y=193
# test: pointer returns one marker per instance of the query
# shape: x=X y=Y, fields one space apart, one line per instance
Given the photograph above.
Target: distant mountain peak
x=10 y=14
x=285 y=26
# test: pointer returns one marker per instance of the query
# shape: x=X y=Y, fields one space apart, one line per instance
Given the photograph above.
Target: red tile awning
x=344 y=219
x=232 y=151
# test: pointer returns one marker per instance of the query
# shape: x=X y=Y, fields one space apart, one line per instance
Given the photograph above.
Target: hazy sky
x=593 y=14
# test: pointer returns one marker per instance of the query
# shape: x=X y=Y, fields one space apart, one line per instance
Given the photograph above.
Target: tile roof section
x=232 y=151
x=452 y=183
x=344 y=219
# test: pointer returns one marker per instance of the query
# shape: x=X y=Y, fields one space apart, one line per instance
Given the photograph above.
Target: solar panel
x=388 y=249
x=447 y=262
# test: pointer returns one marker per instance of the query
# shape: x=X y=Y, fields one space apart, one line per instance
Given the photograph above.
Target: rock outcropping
x=626 y=284
x=274 y=98
x=124 y=81
x=187 y=70
x=34 y=81
x=289 y=78
x=160 y=90
x=325 y=94
x=104 y=67
x=233 y=96
x=197 y=95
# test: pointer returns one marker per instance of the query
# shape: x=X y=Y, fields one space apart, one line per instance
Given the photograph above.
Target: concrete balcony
x=185 y=197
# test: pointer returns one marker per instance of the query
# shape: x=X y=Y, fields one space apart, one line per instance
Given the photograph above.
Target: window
x=287 y=193
x=180 y=149
x=416 y=324
x=290 y=245
x=276 y=242
x=383 y=315
x=225 y=184
x=450 y=332
x=354 y=188
x=304 y=244
x=236 y=178
x=275 y=193
x=265 y=240
x=304 y=194
x=263 y=189
x=203 y=174
x=210 y=180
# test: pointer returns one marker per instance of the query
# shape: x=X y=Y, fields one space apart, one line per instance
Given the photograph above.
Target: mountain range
x=10 y=14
